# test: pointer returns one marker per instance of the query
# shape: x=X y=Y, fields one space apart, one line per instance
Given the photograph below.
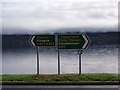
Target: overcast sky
x=26 y=16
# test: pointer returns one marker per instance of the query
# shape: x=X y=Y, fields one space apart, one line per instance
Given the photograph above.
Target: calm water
x=97 y=59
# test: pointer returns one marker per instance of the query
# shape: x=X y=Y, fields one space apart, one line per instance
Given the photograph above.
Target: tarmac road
x=60 y=87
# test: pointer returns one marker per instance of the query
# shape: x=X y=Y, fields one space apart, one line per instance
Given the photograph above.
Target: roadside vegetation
x=63 y=78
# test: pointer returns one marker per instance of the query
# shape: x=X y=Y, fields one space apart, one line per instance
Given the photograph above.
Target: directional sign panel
x=73 y=41
x=43 y=40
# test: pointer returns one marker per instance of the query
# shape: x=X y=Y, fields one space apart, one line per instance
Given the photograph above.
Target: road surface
x=60 y=87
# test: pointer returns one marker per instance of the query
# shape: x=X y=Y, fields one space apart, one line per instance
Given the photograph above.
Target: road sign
x=43 y=40
x=78 y=42
x=73 y=41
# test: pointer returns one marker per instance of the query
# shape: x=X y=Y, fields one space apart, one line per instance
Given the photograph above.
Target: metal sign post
x=37 y=60
x=80 y=53
x=58 y=62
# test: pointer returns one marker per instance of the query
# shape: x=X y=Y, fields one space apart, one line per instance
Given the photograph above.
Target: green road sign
x=73 y=41
x=43 y=40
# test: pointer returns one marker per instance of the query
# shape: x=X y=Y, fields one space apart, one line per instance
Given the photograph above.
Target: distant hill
x=21 y=41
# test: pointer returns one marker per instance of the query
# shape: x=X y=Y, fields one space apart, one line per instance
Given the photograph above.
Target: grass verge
x=88 y=78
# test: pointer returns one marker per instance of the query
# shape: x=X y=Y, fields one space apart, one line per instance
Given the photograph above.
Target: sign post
x=58 y=62
x=80 y=53
x=37 y=60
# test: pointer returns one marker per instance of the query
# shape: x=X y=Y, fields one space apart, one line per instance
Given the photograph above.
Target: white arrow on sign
x=87 y=41
x=32 y=40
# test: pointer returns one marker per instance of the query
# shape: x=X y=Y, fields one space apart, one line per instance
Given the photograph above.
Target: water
x=96 y=59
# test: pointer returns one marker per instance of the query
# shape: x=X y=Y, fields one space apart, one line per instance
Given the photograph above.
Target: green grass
x=63 y=78
x=22 y=77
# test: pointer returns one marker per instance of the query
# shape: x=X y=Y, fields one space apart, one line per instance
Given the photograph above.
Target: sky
x=40 y=16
